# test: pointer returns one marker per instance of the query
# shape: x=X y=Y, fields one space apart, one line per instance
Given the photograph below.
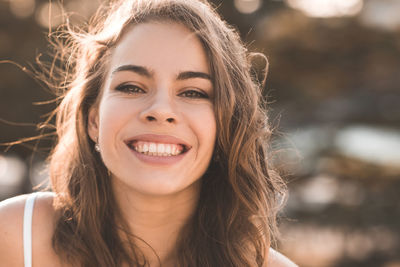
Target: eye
x=130 y=89
x=194 y=94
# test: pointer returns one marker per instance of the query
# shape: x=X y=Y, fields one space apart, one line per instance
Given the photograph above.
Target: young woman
x=161 y=157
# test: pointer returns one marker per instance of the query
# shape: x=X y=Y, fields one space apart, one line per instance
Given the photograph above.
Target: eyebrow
x=133 y=68
x=193 y=74
x=143 y=71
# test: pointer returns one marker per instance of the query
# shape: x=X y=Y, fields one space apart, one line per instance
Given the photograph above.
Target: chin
x=160 y=186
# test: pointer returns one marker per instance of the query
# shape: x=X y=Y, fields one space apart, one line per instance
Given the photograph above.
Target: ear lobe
x=93 y=123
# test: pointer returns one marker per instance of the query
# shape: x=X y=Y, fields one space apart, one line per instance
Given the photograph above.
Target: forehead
x=160 y=46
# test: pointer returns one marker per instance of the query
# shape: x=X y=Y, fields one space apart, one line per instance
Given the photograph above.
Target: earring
x=215 y=156
x=97 y=146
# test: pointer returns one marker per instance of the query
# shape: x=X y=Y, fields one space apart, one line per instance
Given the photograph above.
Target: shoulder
x=276 y=259
x=11 y=222
x=11 y=226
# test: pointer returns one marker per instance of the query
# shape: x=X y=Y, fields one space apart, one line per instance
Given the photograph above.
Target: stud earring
x=97 y=146
x=215 y=156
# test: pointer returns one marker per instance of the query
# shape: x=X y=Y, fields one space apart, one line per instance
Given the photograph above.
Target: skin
x=156 y=199
x=158 y=103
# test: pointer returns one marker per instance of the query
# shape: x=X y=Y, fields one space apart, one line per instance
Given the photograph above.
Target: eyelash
x=133 y=89
x=129 y=88
x=194 y=94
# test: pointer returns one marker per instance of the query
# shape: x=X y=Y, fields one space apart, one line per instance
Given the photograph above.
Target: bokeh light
x=247 y=6
x=22 y=8
x=379 y=146
x=326 y=244
x=12 y=175
x=383 y=14
x=327 y=8
x=49 y=15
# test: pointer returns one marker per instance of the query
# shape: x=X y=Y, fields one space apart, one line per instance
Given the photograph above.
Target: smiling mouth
x=157 y=149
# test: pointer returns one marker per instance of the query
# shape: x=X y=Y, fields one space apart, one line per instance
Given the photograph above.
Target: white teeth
x=168 y=149
x=152 y=148
x=139 y=148
x=160 y=148
x=157 y=149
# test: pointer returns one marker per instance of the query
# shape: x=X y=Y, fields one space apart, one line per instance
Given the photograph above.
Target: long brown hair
x=235 y=219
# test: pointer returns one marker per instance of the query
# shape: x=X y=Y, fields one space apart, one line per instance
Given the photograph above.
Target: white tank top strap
x=27 y=234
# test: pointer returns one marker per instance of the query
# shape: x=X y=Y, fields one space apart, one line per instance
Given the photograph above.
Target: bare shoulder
x=276 y=259
x=43 y=226
x=11 y=225
x=11 y=222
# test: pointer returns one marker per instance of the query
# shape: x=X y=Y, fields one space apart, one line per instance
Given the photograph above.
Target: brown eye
x=129 y=89
x=193 y=94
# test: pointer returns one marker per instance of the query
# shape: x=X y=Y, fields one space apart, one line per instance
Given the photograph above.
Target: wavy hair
x=235 y=219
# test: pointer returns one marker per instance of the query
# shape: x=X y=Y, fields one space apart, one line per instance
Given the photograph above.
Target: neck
x=157 y=220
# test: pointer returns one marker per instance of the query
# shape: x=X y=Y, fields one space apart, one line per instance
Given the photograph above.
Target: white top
x=28 y=212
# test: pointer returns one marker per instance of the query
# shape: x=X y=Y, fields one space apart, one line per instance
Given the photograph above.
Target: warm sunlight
x=247 y=6
x=327 y=8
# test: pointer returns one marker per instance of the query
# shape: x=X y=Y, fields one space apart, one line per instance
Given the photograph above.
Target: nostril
x=155 y=118
x=150 y=118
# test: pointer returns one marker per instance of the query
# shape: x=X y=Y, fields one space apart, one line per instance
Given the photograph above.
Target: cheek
x=205 y=124
x=112 y=115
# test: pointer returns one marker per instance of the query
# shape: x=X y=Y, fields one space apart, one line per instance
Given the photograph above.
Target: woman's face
x=155 y=122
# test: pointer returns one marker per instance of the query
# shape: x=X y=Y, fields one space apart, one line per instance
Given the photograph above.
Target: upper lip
x=156 y=138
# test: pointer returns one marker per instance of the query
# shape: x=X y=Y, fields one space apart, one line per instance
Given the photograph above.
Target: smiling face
x=155 y=122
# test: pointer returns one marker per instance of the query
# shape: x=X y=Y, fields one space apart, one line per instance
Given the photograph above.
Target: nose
x=160 y=110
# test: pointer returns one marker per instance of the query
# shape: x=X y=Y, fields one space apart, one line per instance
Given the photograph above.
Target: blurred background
x=333 y=88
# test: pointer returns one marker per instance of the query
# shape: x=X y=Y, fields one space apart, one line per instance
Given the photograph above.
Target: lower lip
x=158 y=160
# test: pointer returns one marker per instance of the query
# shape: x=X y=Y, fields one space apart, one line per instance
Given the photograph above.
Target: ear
x=93 y=123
